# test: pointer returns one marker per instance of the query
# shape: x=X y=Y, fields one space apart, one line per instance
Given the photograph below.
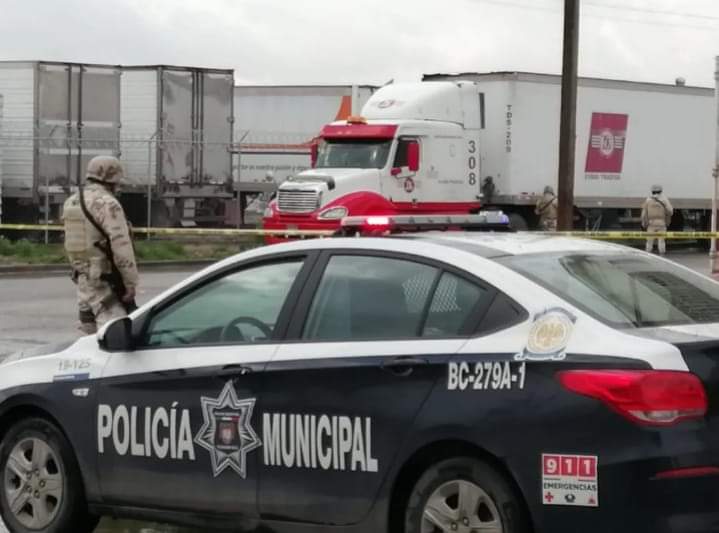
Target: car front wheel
x=42 y=489
x=463 y=495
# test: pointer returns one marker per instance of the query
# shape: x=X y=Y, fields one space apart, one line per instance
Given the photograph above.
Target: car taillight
x=646 y=397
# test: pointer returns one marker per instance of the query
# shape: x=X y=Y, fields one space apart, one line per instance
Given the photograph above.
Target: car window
x=502 y=314
x=625 y=290
x=366 y=297
x=455 y=299
x=241 y=307
x=400 y=157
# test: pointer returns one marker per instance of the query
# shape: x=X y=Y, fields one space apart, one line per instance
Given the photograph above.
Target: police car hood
x=45 y=349
x=65 y=361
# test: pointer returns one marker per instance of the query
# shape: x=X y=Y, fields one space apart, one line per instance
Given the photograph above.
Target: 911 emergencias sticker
x=570 y=480
x=486 y=376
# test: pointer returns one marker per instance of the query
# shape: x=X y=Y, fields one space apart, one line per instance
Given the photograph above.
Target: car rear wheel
x=42 y=488
x=463 y=495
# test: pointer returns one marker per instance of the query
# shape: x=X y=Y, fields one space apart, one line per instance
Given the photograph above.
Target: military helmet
x=105 y=168
x=548 y=190
x=656 y=189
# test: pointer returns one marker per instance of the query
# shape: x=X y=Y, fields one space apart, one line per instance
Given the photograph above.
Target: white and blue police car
x=440 y=381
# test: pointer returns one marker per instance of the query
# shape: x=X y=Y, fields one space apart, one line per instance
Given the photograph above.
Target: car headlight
x=333 y=213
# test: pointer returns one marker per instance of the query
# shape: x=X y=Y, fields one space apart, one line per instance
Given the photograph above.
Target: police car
x=442 y=381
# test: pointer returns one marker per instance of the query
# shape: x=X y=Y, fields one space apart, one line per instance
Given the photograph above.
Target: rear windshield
x=624 y=290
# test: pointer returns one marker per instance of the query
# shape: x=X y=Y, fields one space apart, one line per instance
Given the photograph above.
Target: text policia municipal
x=290 y=440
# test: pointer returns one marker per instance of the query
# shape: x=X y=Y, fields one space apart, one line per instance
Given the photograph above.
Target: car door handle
x=403 y=366
x=234 y=370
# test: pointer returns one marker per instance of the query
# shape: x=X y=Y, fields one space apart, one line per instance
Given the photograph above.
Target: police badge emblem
x=548 y=336
x=227 y=433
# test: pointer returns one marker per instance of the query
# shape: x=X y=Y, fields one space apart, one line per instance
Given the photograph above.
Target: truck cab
x=413 y=150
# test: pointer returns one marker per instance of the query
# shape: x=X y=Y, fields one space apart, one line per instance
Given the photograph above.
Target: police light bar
x=388 y=224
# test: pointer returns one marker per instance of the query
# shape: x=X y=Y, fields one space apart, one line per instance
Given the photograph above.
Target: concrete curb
x=63 y=269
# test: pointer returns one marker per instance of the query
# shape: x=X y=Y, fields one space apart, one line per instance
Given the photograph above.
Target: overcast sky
x=368 y=41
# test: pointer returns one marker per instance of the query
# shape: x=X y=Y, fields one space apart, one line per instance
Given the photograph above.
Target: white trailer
x=170 y=126
x=276 y=125
x=629 y=136
x=57 y=116
x=176 y=142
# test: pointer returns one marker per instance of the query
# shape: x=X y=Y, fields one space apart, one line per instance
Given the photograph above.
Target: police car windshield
x=624 y=290
x=353 y=153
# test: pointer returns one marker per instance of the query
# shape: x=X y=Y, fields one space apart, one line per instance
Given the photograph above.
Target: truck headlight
x=333 y=213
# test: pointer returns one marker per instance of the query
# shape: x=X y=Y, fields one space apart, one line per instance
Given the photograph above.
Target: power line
x=535 y=7
x=648 y=22
x=636 y=9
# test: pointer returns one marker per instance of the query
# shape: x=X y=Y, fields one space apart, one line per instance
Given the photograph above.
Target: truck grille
x=297 y=201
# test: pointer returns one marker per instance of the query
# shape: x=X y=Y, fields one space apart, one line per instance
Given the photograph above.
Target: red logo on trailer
x=607 y=139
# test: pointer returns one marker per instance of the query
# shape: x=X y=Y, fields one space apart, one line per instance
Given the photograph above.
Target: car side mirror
x=116 y=336
x=396 y=171
x=413 y=156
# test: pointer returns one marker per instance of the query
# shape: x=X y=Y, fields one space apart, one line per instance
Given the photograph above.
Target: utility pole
x=715 y=175
x=567 y=129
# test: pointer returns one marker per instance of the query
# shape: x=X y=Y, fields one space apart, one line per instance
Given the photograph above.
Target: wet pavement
x=41 y=309
x=38 y=310
x=129 y=526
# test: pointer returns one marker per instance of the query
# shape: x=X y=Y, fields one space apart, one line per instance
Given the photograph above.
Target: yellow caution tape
x=620 y=235
x=187 y=231
x=609 y=235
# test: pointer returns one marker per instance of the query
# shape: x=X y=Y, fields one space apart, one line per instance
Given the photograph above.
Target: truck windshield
x=353 y=153
x=624 y=290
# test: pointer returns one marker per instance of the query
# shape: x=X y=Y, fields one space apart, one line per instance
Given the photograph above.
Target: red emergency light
x=389 y=224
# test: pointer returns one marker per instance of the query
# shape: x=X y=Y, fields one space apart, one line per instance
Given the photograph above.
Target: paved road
x=38 y=310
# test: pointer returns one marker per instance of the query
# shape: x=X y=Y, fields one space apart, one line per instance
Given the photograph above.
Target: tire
x=435 y=506
x=44 y=465
x=518 y=222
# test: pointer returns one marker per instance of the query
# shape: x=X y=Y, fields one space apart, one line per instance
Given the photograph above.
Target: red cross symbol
x=549 y=497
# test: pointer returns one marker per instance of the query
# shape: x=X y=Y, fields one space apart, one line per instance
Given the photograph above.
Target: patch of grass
x=159 y=251
x=27 y=252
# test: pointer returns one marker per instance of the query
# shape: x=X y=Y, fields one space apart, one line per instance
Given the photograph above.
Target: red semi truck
x=413 y=150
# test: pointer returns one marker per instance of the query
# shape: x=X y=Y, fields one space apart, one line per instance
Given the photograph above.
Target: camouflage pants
x=97 y=304
x=655 y=227
x=548 y=224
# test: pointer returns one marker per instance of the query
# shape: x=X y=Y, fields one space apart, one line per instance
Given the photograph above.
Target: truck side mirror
x=413 y=156
x=314 y=151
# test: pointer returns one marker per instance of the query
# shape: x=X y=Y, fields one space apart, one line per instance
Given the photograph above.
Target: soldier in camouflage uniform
x=546 y=208
x=657 y=213
x=91 y=266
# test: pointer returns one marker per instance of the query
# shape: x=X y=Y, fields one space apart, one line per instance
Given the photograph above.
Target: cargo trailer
x=630 y=135
x=176 y=140
x=57 y=116
x=171 y=127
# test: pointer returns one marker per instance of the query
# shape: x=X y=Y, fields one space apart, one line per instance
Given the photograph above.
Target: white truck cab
x=413 y=150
